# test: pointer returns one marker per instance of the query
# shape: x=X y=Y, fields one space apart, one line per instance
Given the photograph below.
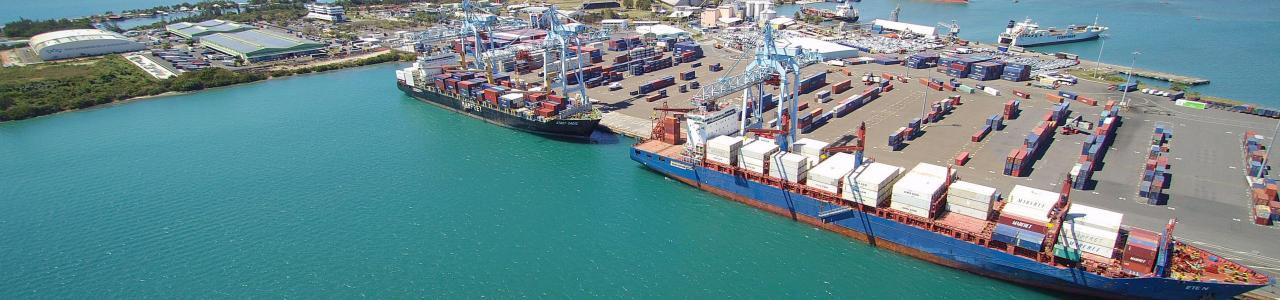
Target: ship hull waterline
x=929 y=246
x=573 y=130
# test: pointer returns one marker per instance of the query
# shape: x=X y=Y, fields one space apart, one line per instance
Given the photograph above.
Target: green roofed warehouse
x=257 y=45
x=190 y=30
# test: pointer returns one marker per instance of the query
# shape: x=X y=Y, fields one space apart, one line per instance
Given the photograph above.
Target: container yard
x=985 y=128
x=980 y=131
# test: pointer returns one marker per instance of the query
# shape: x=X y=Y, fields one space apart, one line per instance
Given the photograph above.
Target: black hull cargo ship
x=472 y=94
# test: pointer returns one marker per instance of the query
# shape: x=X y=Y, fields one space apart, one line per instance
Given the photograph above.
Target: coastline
x=179 y=93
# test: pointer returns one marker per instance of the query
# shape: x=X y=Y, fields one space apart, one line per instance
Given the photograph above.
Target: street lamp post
x=1099 y=61
x=1129 y=78
x=1274 y=135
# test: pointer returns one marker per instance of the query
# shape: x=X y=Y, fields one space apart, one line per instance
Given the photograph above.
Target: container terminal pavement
x=1206 y=192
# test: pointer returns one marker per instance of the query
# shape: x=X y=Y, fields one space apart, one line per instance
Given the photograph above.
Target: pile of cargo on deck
x=970 y=199
x=1025 y=218
x=1139 y=255
x=753 y=155
x=1088 y=230
x=788 y=166
x=724 y=149
x=920 y=191
x=870 y=184
x=828 y=175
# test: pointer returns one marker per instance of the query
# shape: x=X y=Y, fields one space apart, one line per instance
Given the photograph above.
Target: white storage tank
x=724 y=149
x=870 y=184
x=753 y=155
x=788 y=166
x=827 y=175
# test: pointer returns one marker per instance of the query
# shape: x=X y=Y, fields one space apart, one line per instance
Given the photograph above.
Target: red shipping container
x=886 y=88
x=1013 y=156
x=1110 y=103
x=1053 y=98
x=977 y=137
x=1021 y=94
x=1087 y=101
x=962 y=158
x=1022 y=223
x=886 y=76
x=491 y=95
x=1136 y=268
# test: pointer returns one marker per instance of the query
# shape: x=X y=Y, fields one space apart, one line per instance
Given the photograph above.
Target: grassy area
x=1117 y=78
x=54 y=71
x=32 y=91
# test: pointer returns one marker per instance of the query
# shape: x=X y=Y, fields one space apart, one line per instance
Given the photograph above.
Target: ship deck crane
x=856 y=149
x=769 y=59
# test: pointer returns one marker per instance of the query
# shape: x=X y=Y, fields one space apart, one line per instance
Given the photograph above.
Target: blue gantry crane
x=772 y=56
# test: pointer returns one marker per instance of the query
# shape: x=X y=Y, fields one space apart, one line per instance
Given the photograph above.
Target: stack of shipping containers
x=987 y=70
x=830 y=173
x=1088 y=230
x=969 y=199
x=870 y=184
x=1154 y=175
x=1024 y=220
x=1016 y=72
x=919 y=191
x=752 y=156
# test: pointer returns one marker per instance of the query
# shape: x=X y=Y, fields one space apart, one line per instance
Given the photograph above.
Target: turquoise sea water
x=337 y=186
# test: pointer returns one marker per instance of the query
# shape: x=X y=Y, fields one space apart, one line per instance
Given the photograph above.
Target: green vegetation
x=1117 y=78
x=13 y=46
x=27 y=28
x=381 y=58
x=37 y=90
x=594 y=17
x=271 y=13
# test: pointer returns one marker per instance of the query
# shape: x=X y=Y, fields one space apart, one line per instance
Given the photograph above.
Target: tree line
x=115 y=79
x=27 y=28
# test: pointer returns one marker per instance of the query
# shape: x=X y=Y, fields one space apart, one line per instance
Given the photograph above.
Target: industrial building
x=662 y=31
x=190 y=30
x=80 y=43
x=829 y=50
x=258 y=45
x=331 y=13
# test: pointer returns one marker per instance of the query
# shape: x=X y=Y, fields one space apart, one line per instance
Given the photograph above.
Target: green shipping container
x=1059 y=251
x=964 y=89
x=1191 y=104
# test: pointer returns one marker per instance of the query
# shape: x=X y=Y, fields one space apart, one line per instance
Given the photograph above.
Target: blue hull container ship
x=1020 y=238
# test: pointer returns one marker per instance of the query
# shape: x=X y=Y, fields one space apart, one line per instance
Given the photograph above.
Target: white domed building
x=80 y=43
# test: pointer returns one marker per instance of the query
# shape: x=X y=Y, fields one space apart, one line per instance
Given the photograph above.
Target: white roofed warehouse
x=80 y=43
